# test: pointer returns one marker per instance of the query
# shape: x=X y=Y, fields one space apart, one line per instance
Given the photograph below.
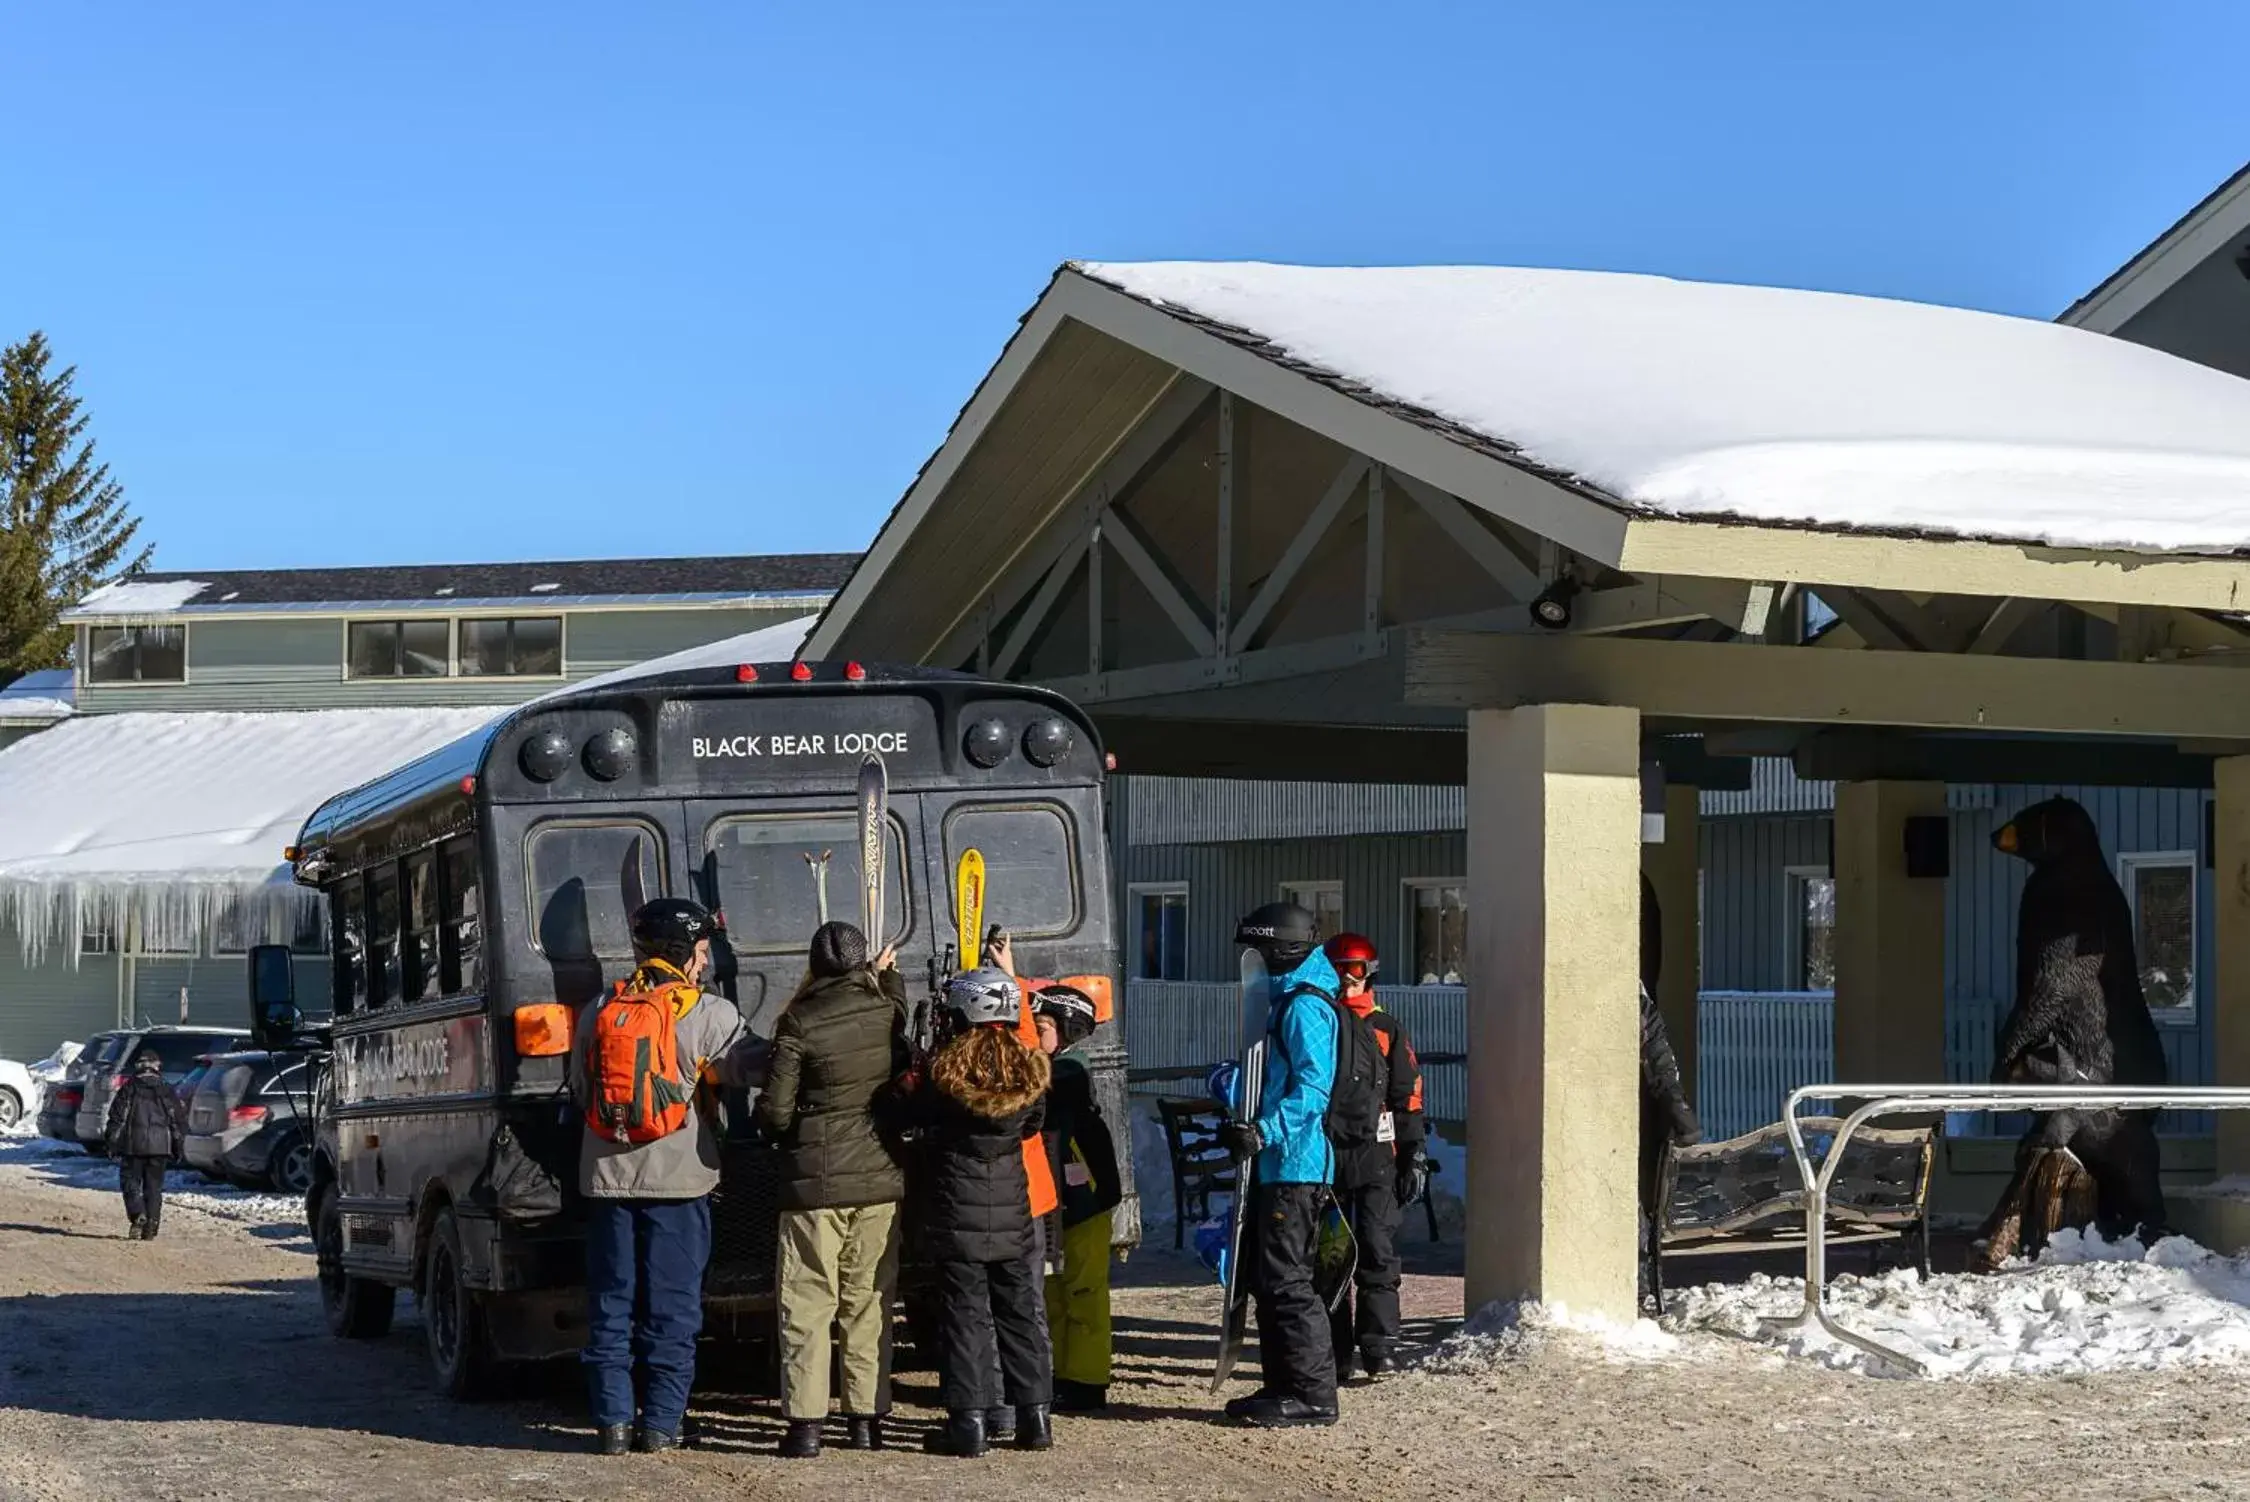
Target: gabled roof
x=2218 y=224
x=442 y=586
x=1696 y=400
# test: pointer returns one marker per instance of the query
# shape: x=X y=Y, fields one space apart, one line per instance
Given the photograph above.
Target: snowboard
x=874 y=812
x=1335 y=1256
x=1234 y=1317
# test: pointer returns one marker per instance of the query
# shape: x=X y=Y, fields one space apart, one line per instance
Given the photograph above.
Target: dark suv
x=250 y=1121
x=181 y=1049
x=60 y=1099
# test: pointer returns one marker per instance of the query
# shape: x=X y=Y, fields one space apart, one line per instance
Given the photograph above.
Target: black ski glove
x=1242 y=1139
x=1413 y=1176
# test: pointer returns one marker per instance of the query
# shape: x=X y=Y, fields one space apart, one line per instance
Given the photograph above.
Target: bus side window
x=419 y=946
x=348 y=909
x=382 y=936
x=460 y=938
x=1031 y=870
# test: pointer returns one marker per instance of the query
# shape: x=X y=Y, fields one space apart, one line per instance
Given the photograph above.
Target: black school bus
x=479 y=896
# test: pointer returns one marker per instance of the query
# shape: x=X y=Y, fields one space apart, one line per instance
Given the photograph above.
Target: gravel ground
x=197 y=1366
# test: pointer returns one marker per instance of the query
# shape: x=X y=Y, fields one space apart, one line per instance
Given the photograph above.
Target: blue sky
x=416 y=282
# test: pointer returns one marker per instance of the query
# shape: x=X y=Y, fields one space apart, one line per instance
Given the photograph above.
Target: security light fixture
x=1551 y=606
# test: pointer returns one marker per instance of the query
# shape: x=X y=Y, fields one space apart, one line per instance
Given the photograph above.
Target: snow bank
x=167 y=818
x=140 y=597
x=66 y=1165
x=57 y=1063
x=2086 y=1306
x=1500 y=1335
x=1767 y=404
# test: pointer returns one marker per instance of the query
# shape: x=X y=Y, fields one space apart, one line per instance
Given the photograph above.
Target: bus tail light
x=1098 y=987
x=543 y=1030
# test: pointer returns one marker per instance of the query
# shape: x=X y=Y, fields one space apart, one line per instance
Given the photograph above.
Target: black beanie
x=837 y=949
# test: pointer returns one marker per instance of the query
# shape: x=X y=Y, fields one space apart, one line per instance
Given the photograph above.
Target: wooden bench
x=1744 y=1196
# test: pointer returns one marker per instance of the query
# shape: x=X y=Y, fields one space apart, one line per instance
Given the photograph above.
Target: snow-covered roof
x=141 y=597
x=51 y=694
x=165 y=817
x=1704 y=401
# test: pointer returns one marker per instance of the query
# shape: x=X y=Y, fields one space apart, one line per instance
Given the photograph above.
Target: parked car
x=17 y=1095
x=178 y=1047
x=58 y=1112
x=250 y=1122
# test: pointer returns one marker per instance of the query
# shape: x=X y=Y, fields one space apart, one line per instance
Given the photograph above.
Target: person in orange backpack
x=640 y=1064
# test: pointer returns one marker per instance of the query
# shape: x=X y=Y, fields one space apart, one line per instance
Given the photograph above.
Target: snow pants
x=1372 y=1326
x=141 y=1180
x=838 y=1270
x=1293 y=1336
x=644 y=1295
x=1078 y=1303
x=992 y=1339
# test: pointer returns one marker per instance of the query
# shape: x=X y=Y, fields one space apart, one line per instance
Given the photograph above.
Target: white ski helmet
x=984 y=998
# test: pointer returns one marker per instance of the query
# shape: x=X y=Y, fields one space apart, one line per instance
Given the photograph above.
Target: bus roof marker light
x=469 y=786
x=855 y=672
x=746 y=674
x=1047 y=742
x=610 y=754
x=987 y=743
x=801 y=671
x=545 y=756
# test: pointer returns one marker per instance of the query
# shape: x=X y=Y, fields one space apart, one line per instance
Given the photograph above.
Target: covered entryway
x=1584 y=542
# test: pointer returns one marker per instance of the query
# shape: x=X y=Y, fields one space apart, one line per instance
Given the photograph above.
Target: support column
x=1890 y=939
x=1671 y=868
x=2230 y=990
x=1554 y=809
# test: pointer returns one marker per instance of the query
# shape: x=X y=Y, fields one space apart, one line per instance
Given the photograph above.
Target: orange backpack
x=637 y=1088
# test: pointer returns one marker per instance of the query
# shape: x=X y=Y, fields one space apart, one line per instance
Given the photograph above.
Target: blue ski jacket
x=1300 y=1074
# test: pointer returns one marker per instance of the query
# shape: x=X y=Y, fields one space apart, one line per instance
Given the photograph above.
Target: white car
x=19 y=1097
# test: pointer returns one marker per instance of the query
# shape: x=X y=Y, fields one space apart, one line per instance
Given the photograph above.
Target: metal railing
x=1900 y=1100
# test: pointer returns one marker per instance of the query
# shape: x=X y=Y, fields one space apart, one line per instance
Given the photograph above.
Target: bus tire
x=356 y=1309
x=453 y=1318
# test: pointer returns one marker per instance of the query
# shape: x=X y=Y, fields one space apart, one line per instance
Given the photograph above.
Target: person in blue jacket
x=1294 y=1167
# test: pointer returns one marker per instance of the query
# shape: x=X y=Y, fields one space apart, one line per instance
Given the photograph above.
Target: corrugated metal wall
x=1201 y=810
x=1226 y=881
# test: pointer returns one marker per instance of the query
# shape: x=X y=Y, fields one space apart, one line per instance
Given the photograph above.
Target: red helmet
x=1352 y=954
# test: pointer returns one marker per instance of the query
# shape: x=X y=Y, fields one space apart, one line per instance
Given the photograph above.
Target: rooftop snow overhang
x=445 y=605
x=162 y=819
x=1646 y=424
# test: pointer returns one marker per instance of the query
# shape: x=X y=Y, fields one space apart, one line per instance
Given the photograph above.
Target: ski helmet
x=669 y=928
x=1282 y=933
x=1071 y=1009
x=1353 y=955
x=984 y=998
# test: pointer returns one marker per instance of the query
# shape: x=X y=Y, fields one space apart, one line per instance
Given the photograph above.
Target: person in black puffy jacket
x=982 y=1101
x=1666 y=1115
x=145 y=1130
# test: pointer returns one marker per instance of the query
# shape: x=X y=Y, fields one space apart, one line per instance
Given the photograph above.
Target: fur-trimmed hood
x=989 y=1072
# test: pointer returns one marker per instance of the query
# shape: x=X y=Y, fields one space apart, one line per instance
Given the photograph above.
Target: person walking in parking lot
x=830 y=1100
x=646 y=1063
x=144 y=1133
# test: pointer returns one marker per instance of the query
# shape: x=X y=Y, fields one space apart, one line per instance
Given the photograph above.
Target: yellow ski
x=968 y=906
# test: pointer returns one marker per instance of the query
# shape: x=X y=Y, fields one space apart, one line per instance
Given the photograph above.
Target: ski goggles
x=1358 y=969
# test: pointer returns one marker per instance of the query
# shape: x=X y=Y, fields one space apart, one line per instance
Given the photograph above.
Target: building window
x=1323 y=899
x=96 y=936
x=2160 y=889
x=526 y=647
x=136 y=654
x=1438 y=920
x=1809 y=930
x=1160 y=913
x=398 y=649
x=461 y=940
x=239 y=924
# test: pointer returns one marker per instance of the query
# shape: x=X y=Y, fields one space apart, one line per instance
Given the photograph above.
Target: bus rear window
x=1030 y=877
x=765 y=868
x=586 y=879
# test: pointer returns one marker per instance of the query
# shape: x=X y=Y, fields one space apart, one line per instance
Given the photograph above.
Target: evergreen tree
x=64 y=526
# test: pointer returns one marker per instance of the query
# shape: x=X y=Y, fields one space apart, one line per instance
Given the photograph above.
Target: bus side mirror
x=274 y=1018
